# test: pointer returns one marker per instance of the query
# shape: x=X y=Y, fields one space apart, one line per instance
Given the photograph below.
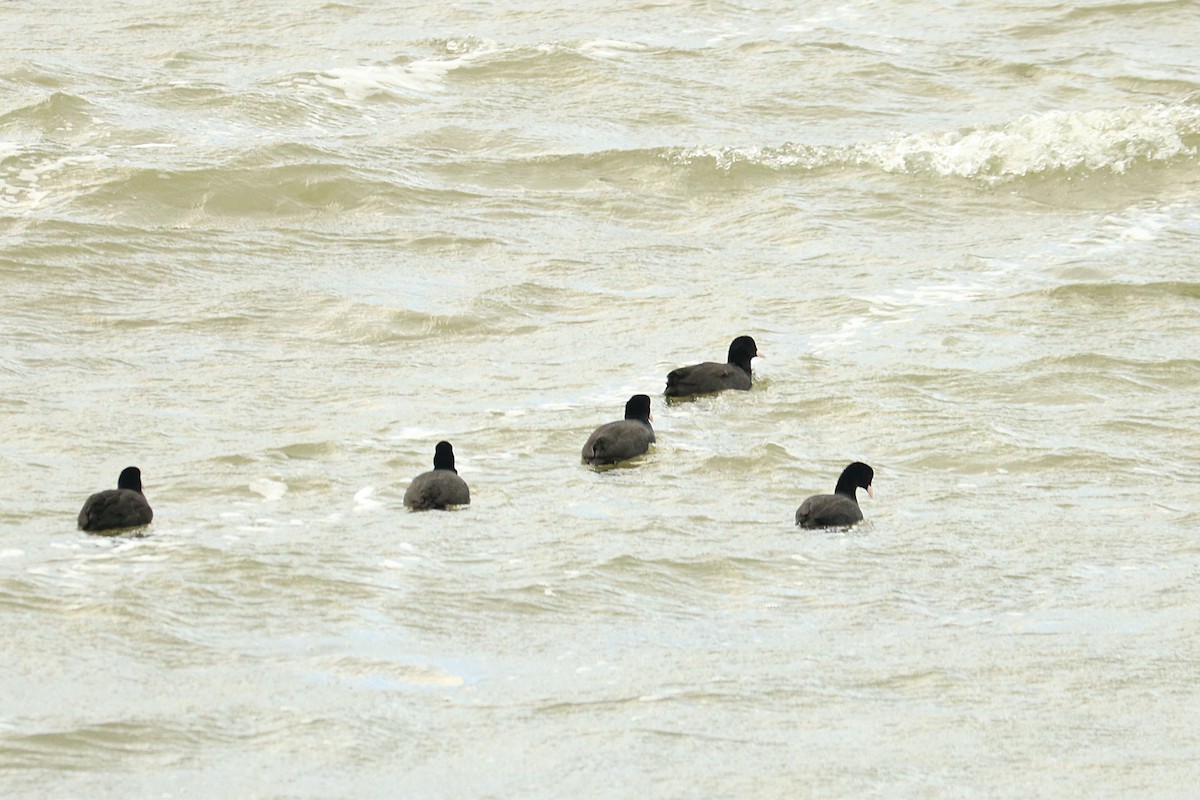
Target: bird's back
x=113 y=509
x=828 y=511
x=437 y=489
x=618 y=441
x=706 y=378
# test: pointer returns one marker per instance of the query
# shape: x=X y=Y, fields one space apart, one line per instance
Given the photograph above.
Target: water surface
x=272 y=255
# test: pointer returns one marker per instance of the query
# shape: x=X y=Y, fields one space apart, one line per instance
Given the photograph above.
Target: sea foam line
x=1106 y=139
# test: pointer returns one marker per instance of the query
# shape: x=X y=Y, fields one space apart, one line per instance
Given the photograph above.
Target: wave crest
x=1053 y=142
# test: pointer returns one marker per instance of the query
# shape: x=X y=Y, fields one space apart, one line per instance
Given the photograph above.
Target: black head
x=857 y=475
x=638 y=408
x=741 y=350
x=131 y=478
x=443 y=457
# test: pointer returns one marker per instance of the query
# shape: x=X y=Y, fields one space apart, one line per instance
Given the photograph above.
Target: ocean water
x=273 y=254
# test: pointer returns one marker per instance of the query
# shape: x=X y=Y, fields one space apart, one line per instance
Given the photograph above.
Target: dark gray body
x=437 y=489
x=114 y=509
x=828 y=511
x=618 y=441
x=711 y=377
x=840 y=509
x=706 y=378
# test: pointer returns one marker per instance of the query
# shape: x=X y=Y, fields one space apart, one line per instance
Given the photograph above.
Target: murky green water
x=272 y=255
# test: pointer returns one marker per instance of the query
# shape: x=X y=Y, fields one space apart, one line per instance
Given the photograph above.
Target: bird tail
x=598 y=448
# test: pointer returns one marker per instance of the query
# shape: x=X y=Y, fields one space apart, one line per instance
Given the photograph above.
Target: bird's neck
x=847 y=488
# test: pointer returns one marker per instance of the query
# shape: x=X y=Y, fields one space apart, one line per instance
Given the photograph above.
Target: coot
x=623 y=439
x=840 y=509
x=113 y=509
x=712 y=377
x=439 y=488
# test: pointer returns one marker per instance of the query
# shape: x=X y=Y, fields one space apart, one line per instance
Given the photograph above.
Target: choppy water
x=272 y=254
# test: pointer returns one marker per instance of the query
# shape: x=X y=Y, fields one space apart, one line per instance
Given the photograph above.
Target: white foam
x=1101 y=139
x=420 y=77
x=1133 y=227
x=852 y=330
x=363 y=500
x=1106 y=139
x=610 y=48
x=834 y=18
x=918 y=297
x=359 y=83
x=21 y=188
x=898 y=306
x=269 y=489
x=413 y=432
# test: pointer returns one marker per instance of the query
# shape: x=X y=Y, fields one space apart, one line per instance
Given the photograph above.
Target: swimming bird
x=623 y=439
x=123 y=507
x=441 y=487
x=839 y=509
x=712 y=377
